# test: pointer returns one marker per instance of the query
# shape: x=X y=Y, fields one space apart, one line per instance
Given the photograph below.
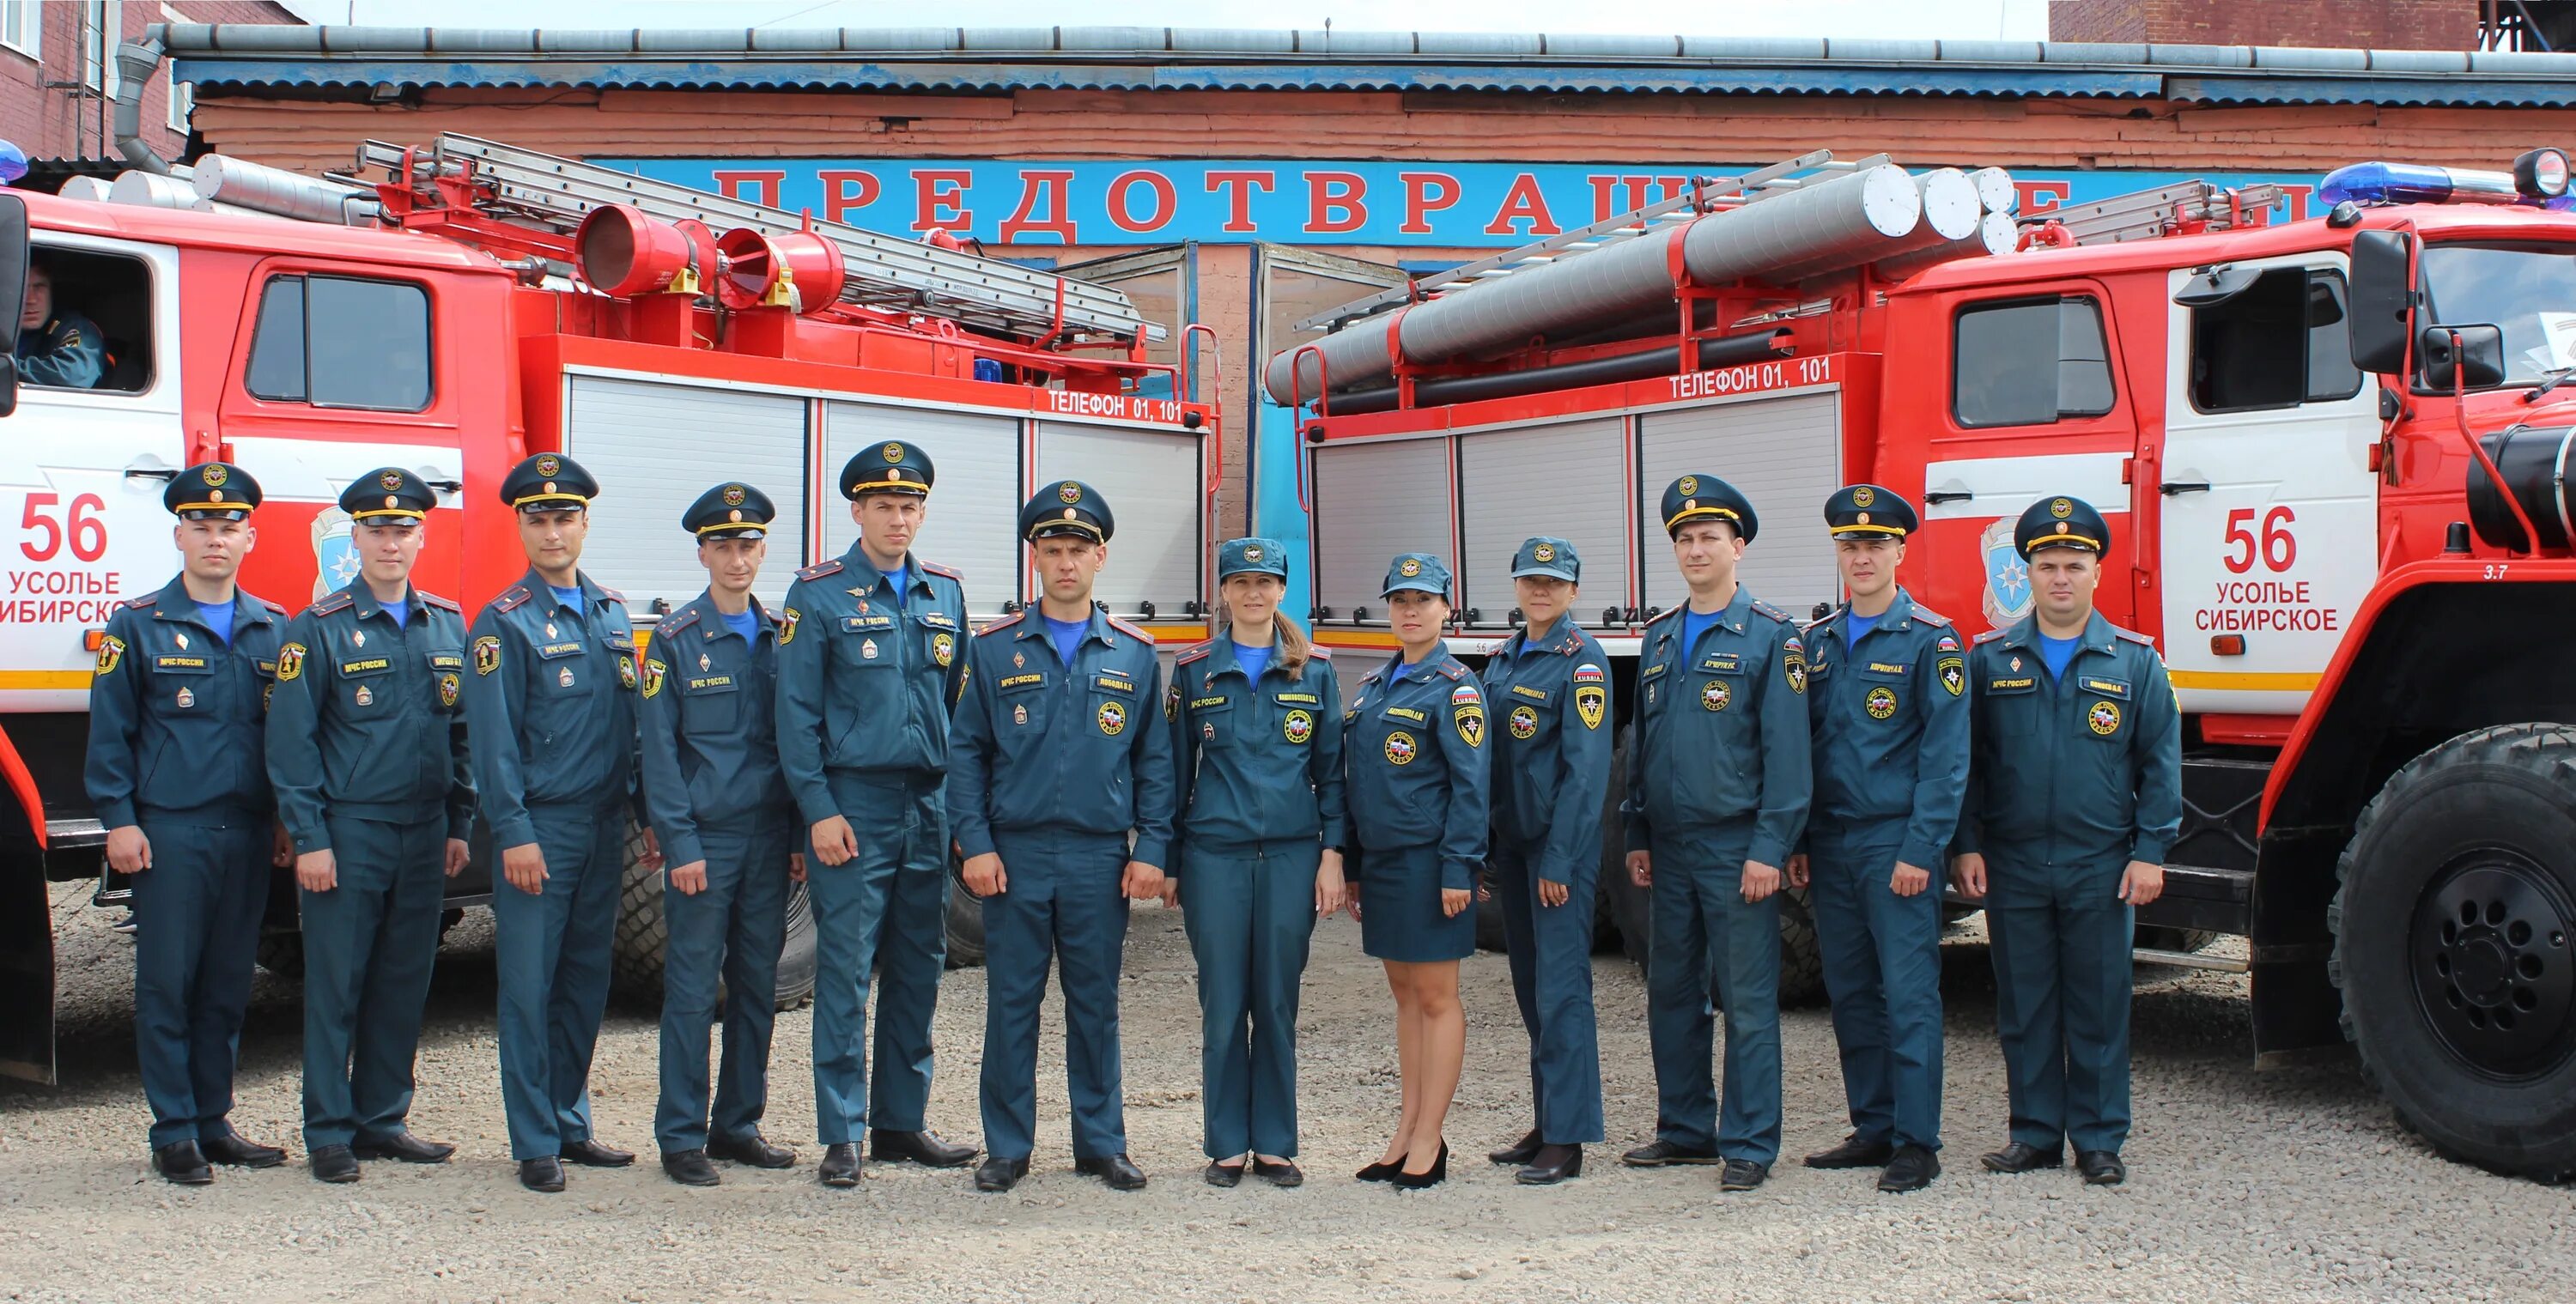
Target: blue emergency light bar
x=2539 y=177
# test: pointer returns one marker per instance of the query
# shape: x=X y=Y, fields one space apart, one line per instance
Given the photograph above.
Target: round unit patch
x=1524 y=722
x=1113 y=719
x=1298 y=727
x=1881 y=702
x=943 y=648
x=1400 y=748
x=2104 y=718
x=1715 y=694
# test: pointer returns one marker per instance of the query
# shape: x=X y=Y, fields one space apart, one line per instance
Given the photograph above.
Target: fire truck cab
x=2333 y=454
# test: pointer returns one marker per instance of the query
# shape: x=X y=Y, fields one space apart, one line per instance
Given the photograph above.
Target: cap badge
x=1544 y=552
x=734 y=516
x=215 y=474
x=1069 y=492
x=549 y=465
x=1690 y=504
x=215 y=495
x=2061 y=509
x=1068 y=513
x=1409 y=568
x=1864 y=518
x=893 y=453
x=550 y=486
x=393 y=500
x=733 y=495
x=1688 y=485
x=1252 y=554
x=390 y=480
x=1863 y=496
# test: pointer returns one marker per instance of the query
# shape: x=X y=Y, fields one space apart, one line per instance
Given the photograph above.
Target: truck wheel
x=1802 y=961
x=965 y=920
x=281 y=953
x=642 y=934
x=2454 y=928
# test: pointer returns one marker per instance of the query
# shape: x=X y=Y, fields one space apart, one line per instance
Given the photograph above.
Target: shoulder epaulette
x=1453 y=671
x=820 y=569
x=1988 y=637
x=1930 y=617
x=338 y=600
x=1665 y=614
x=678 y=620
x=1761 y=608
x=1319 y=652
x=1195 y=653
x=1004 y=623
x=278 y=607
x=612 y=595
x=443 y=604
x=138 y=604
x=2132 y=636
x=1132 y=631
x=512 y=598
x=936 y=569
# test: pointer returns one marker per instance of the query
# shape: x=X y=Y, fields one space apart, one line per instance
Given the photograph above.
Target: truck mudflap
x=26 y=929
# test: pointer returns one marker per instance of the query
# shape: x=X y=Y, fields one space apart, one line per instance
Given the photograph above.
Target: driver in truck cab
x=56 y=348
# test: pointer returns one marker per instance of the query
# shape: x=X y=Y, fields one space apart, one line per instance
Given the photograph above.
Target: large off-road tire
x=2454 y=927
x=642 y=934
x=965 y=920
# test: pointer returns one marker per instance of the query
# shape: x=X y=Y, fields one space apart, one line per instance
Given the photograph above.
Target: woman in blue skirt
x=1415 y=745
x=1256 y=721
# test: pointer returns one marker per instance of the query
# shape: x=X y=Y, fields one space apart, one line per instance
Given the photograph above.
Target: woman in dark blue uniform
x=1256 y=721
x=1418 y=768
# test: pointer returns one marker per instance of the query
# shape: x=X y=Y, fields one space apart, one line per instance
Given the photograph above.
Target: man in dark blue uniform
x=1060 y=791
x=55 y=347
x=2074 y=796
x=1549 y=691
x=1718 y=784
x=552 y=707
x=728 y=833
x=175 y=771
x=868 y=666
x=1887 y=694
x=366 y=744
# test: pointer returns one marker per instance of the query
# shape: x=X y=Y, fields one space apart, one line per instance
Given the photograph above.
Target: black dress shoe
x=1853 y=1153
x=754 y=1150
x=2101 y=1167
x=1284 y=1173
x=1120 y=1172
x=1517 y=1153
x=543 y=1173
x=999 y=1174
x=591 y=1154
x=2021 y=1157
x=1551 y=1165
x=182 y=1162
x=232 y=1149
x=691 y=1168
x=405 y=1147
x=333 y=1164
x=1662 y=1152
x=926 y=1148
x=840 y=1165
x=1223 y=1174
x=1742 y=1175
x=1407 y=1180
x=1911 y=1169
x=1380 y=1172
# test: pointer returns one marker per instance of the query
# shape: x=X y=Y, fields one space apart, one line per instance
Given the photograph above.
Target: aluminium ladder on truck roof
x=881 y=271
x=2160 y=211
x=1761 y=183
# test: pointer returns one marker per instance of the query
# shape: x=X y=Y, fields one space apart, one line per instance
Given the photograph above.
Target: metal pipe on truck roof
x=1950 y=211
x=1995 y=234
x=280 y=193
x=1848 y=217
x=1646 y=365
x=1995 y=189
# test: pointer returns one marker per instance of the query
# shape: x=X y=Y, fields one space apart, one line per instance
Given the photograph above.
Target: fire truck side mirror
x=2382 y=296
x=13 y=289
x=2475 y=362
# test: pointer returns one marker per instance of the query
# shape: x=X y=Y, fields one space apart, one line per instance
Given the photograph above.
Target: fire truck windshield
x=2527 y=290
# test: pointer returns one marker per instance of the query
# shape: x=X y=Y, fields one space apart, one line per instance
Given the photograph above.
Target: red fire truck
x=2335 y=457
x=479 y=303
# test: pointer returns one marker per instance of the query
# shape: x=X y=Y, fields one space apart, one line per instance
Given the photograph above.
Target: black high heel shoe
x=1438 y=1173
x=1380 y=1172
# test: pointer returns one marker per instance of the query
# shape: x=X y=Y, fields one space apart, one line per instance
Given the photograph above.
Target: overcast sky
x=1955 y=19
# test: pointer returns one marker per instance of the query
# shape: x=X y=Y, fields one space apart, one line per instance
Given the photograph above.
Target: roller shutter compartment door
x=1784 y=454
x=1372 y=501
x=974 y=497
x=1565 y=479
x=654 y=447
x=1151 y=480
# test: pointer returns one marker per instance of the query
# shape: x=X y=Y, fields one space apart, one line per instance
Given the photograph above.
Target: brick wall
x=62 y=122
x=2365 y=24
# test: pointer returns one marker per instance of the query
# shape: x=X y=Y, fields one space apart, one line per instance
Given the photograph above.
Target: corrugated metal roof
x=1159 y=58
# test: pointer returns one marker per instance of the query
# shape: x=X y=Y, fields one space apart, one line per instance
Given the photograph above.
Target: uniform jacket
x=552 y=705
x=176 y=718
x=369 y=717
x=1419 y=772
x=2084 y=771
x=67 y=351
x=710 y=749
x=1891 y=725
x=864 y=682
x=1255 y=762
x=1721 y=732
x=1552 y=745
x=1041 y=747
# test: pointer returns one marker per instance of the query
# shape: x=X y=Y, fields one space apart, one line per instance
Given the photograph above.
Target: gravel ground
x=2289 y=1185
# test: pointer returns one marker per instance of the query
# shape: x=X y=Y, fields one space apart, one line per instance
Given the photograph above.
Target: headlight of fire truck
x=2538 y=177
